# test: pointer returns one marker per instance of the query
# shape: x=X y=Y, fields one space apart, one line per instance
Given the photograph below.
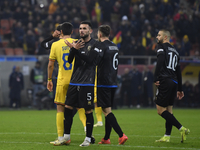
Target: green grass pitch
x=33 y=130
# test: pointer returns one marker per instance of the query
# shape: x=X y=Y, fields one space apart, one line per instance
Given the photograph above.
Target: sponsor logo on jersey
x=89 y=48
x=113 y=48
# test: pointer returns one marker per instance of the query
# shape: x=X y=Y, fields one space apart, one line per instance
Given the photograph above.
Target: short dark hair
x=87 y=22
x=105 y=30
x=67 y=28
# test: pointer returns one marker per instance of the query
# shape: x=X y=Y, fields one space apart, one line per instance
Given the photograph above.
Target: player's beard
x=84 y=36
x=160 y=41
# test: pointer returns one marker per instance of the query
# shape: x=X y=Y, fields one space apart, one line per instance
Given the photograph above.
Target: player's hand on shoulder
x=68 y=43
x=56 y=34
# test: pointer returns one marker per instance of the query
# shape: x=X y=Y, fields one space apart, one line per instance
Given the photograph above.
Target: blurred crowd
x=134 y=23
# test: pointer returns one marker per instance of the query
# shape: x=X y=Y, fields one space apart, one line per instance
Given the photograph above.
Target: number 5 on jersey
x=66 y=65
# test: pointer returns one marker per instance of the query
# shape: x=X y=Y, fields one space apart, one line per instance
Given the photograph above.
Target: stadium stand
x=9 y=51
x=18 y=51
x=138 y=20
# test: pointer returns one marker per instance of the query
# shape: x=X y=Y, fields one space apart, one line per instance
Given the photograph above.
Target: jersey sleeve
x=47 y=42
x=95 y=51
x=160 y=49
x=88 y=58
x=52 y=55
x=159 y=64
x=71 y=55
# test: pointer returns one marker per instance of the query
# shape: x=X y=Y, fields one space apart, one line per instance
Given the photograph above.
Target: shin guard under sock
x=68 y=120
x=89 y=124
x=113 y=122
x=171 y=119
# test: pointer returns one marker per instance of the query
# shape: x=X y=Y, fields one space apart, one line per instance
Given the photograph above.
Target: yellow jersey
x=60 y=52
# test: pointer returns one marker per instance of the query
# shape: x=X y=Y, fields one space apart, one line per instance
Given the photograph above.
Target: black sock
x=168 y=127
x=171 y=119
x=68 y=114
x=108 y=129
x=89 y=124
x=113 y=122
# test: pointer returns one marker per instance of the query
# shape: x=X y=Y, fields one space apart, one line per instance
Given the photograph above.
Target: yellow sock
x=98 y=112
x=82 y=116
x=60 y=123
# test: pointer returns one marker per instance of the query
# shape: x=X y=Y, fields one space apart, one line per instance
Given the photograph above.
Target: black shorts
x=80 y=96
x=105 y=96
x=166 y=93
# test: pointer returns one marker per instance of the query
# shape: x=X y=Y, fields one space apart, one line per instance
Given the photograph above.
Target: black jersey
x=48 y=42
x=86 y=60
x=170 y=66
x=108 y=66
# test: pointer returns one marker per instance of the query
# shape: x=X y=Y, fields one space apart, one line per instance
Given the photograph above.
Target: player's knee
x=106 y=111
x=60 y=108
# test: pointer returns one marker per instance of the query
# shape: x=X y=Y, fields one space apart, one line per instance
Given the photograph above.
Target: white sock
x=88 y=139
x=180 y=128
x=167 y=135
x=67 y=136
x=100 y=122
x=60 y=138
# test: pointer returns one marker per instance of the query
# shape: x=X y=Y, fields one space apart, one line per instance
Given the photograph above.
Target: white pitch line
x=109 y=145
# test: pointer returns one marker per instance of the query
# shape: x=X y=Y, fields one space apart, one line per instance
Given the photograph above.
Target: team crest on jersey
x=89 y=48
